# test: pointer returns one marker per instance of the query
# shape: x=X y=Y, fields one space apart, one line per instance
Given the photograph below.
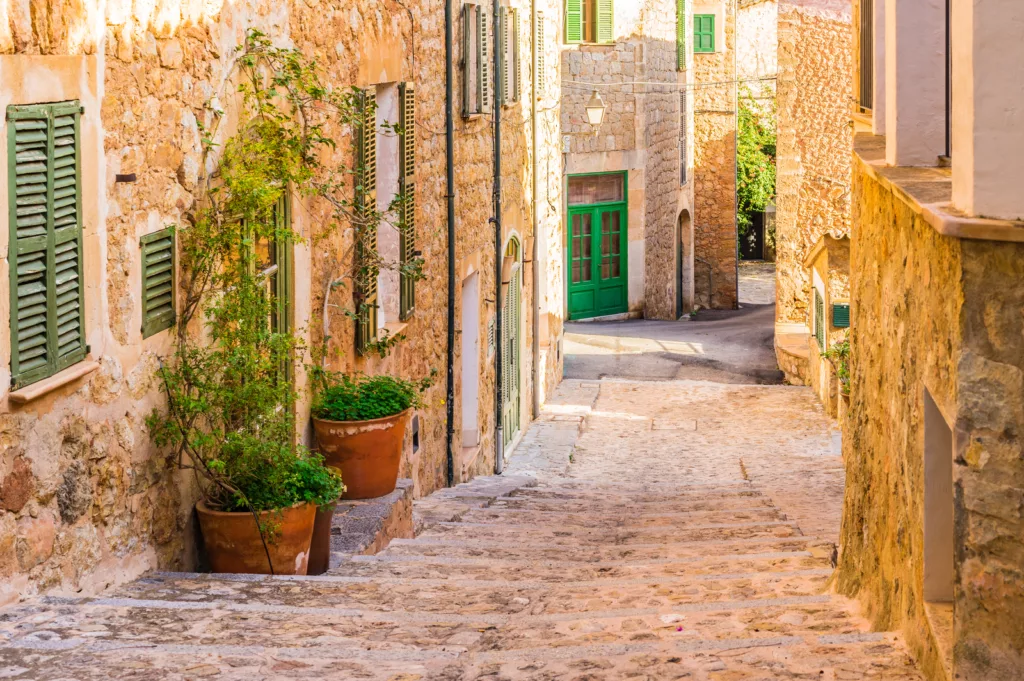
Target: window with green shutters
x=703 y=32
x=589 y=21
x=366 y=193
x=407 y=178
x=476 y=61
x=680 y=35
x=819 y=319
x=841 y=315
x=157 y=281
x=45 y=251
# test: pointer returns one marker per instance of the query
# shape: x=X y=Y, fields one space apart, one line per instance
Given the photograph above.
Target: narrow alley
x=644 y=529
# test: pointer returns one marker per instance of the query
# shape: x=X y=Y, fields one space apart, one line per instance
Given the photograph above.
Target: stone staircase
x=508 y=578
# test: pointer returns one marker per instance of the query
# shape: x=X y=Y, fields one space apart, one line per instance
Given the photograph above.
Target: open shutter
x=574 y=21
x=468 y=55
x=682 y=136
x=538 y=74
x=819 y=320
x=366 y=246
x=605 y=21
x=407 y=235
x=502 y=93
x=47 y=296
x=517 y=63
x=680 y=35
x=483 y=63
x=157 y=281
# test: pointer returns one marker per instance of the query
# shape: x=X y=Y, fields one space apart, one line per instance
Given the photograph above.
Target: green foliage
x=755 y=158
x=362 y=398
x=839 y=356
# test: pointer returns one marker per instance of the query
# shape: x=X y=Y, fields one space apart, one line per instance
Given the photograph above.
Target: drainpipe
x=499 y=432
x=536 y=215
x=449 y=131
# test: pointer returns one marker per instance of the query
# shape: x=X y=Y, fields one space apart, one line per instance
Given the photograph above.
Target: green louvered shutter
x=605 y=21
x=47 y=295
x=483 y=63
x=504 y=80
x=157 y=281
x=680 y=35
x=538 y=74
x=517 y=62
x=841 y=315
x=468 y=86
x=819 y=320
x=574 y=21
x=407 y=172
x=703 y=32
x=366 y=246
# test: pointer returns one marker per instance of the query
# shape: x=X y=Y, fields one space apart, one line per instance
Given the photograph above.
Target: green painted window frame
x=159 y=264
x=680 y=35
x=576 y=12
x=703 y=33
x=45 y=249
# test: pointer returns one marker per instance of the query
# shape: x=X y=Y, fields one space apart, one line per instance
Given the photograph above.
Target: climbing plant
x=755 y=157
x=229 y=384
x=839 y=356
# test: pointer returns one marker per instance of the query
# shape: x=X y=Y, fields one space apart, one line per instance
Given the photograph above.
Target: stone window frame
x=717 y=9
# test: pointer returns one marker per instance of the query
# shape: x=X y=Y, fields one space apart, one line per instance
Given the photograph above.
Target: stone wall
x=815 y=87
x=934 y=313
x=87 y=501
x=714 y=163
x=757 y=43
x=639 y=84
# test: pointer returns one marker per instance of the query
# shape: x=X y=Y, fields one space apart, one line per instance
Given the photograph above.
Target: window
x=867 y=47
x=704 y=33
x=273 y=260
x=819 y=319
x=840 y=315
x=476 y=66
x=366 y=194
x=589 y=21
x=510 y=84
x=44 y=193
x=157 y=281
x=680 y=35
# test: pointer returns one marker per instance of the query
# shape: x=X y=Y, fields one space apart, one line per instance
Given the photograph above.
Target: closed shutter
x=157 y=281
x=703 y=32
x=407 y=235
x=605 y=21
x=47 y=296
x=366 y=246
x=680 y=35
x=819 y=320
x=483 y=52
x=539 y=75
x=841 y=315
x=574 y=21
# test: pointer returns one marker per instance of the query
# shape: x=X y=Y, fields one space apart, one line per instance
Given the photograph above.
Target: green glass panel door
x=597 y=261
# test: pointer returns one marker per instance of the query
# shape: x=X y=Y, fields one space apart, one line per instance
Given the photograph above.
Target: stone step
x=497 y=549
x=572 y=506
x=633 y=494
x=595 y=518
x=442 y=566
x=575 y=540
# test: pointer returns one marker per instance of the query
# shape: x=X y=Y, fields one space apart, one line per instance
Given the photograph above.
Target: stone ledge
x=58 y=380
x=367 y=526
x=929 y=192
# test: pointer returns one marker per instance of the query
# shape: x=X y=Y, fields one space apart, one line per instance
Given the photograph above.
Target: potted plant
x=360 y=424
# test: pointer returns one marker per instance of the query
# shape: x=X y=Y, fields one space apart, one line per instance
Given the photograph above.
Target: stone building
x=933 y=537
x=629 y=234
x=815 y=89
x=86 y=500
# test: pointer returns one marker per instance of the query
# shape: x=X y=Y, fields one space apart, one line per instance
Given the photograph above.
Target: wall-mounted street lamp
x=595 y=110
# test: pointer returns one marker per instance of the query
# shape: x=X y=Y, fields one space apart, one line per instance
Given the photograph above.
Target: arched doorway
x=511 y=329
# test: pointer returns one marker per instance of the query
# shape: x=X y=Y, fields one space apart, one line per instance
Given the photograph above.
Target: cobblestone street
x=666 y=530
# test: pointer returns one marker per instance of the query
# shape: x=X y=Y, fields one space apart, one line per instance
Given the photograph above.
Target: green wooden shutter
x=407 y=234
x=819 y=320
x=680 y=35
x=504 y=81
x=157 y=281
x=517 y=63
x=841 y=315
x=703 y=32
x=539 y=74
x=47 y=295
x=366 y=246
x=574 y=21
x=605 y=21
x=483 y=64
x=468 y=86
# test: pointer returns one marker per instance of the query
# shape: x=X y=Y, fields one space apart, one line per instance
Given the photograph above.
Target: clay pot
x=320 y=546
x=233 y=542
x=367 y=452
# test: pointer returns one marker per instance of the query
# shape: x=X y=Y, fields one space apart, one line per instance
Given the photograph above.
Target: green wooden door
x=510 y=357
x=597 y=261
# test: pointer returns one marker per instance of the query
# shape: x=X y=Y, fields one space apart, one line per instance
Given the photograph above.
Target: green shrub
x=839 y=355
x=362 y=398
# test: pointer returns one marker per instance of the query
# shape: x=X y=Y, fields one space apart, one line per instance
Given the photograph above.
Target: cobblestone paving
x=670 y=530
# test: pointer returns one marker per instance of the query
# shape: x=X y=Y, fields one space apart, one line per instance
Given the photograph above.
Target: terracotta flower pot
x=320 y=546
x=367 y=452
x=233 y=542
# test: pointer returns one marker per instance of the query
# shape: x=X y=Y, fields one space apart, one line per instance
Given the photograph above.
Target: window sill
x=48 y=385
x=395 y=328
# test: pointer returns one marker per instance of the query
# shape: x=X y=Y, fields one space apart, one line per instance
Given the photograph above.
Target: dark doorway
x=752 y=243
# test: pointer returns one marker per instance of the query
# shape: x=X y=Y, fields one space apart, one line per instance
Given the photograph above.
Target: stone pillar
x=915 y=81
x=878 y=78
x=988 y=108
